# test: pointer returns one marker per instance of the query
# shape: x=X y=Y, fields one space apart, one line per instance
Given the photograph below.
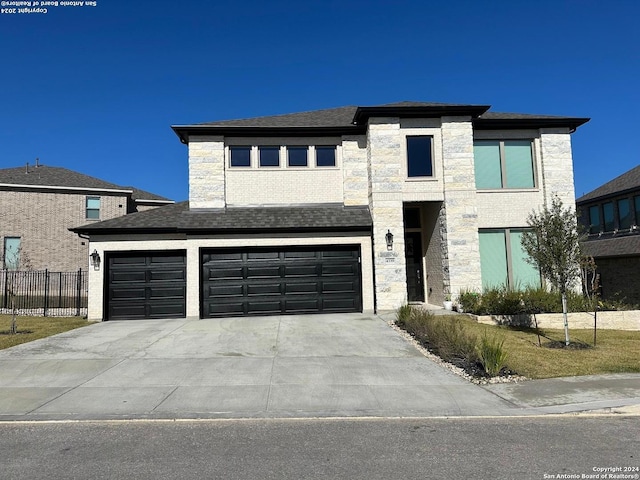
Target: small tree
x=17 y=265
x=553 y=246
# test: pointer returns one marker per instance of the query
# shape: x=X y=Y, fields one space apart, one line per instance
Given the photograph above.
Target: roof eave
x=185 y=131
x=364 y=113
x=527 y=123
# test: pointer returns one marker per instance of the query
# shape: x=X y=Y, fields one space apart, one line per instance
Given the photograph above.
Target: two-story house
x=38 y=205
x=611 y=217
x=337 y=210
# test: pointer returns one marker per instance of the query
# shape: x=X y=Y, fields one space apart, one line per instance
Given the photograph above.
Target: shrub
x=469 y=301
x=491 y=354
x=403 y=314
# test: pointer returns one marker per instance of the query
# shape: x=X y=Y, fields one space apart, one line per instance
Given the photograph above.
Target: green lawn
x=32 y=328
x=616 y=351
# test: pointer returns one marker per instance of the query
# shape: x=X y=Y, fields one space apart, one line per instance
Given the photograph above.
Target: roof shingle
x=627 y=181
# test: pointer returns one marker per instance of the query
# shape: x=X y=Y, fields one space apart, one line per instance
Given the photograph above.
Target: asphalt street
x=455 y=448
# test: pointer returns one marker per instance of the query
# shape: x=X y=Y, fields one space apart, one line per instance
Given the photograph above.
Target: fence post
x=6 y=289
x=78 y=287
x=46 y=291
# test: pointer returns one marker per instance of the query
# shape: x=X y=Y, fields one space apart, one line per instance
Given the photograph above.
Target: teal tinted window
x=493 y=259
x=594 y=219
x=487 y=164
x=11 y=253
x=518 y=164
x=522 y=272
x=607 y=215
x=297 y=156
x=624 y=213
x=269 y=156
x=240 y=156
x=325 y=156
x=93 y=208
x=419 y=161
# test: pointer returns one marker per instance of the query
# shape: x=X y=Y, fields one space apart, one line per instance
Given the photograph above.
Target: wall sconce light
x=95 y=260
x=389 y=238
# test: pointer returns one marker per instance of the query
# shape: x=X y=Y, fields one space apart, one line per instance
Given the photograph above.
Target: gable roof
x=353 y=120
x=178 y=218
x=59 y=177
x=628 y=181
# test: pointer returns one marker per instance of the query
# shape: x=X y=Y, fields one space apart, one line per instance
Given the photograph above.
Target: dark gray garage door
x=255 y=281
x=146 y=285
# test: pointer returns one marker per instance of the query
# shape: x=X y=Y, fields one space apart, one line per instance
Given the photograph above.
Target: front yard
x=33 y=328
x=616 y=351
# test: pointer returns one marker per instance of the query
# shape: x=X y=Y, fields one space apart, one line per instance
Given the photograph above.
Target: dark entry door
x=415 y=273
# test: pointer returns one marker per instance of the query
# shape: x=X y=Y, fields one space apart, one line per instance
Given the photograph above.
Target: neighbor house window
x=503 y=261
x=11 y=253
x=624 y=213
x=93 y=208
x=326 y=156
x=297 y=156
x=240 y=156
x=269 y=156
x=636 y=201
x=594 y=219
x=608 y=217
x=419 y=156
x=503 y=164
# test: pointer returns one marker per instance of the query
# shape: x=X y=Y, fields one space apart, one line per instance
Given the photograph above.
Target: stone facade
x=206 y=172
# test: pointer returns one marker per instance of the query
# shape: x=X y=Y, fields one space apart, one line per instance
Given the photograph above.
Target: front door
x=415 y=273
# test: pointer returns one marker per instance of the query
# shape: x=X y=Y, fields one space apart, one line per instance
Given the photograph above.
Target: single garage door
x=146 y=285
x=256 y=281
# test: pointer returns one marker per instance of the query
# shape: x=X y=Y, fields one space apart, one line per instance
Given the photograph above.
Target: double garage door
x=236 y=282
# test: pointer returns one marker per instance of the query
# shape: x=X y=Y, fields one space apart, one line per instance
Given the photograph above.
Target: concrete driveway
x=287 y=366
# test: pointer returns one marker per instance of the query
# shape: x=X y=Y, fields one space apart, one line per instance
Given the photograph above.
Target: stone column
x=354 y=168
x=385 y=202
x=459 y=215
x=206 y=172
x=557 y=165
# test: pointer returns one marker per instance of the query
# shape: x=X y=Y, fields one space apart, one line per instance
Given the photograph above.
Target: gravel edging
x=453 y=368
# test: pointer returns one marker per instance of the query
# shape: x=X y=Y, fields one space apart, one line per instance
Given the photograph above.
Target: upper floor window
x=93 y=208
x=608 y=217
x=269 y=156
x=326 y=156
x=297 y=156
x=240 y=156
x=624 y=213
x=636 y=201
x=503 y=164
x=11 y=253
x=594 y=219
x=419 y=156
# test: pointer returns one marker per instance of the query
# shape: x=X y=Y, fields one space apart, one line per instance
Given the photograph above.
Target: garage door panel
x=260 y=281
x=146 y=285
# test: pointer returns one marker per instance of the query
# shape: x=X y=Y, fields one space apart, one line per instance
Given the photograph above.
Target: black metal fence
x=54 y=294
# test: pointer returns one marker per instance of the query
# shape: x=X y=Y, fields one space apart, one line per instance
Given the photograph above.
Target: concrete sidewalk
x=290 y=366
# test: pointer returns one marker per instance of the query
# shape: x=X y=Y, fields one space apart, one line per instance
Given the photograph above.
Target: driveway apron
x=261 y=367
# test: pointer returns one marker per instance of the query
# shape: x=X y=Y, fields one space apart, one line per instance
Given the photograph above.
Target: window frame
x=508 y=254
x=92 y=209
x=269 y=148
x=502 y=144
x=5 y=263
x=305 y=148
x=333 y=148
x=239 y=148
x=431 y=155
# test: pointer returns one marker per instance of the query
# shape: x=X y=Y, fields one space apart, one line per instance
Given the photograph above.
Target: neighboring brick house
x=40 y=203
x=611 y=216
x=337 y=210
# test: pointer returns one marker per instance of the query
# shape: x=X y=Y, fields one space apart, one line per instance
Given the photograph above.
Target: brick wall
x=619 y=278
x=42 y=220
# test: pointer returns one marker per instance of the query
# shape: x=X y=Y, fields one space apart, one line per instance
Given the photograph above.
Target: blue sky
x=95 y=89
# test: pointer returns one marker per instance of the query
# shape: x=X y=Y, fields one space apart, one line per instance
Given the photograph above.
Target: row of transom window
x=620 y=214
x=276 y=156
